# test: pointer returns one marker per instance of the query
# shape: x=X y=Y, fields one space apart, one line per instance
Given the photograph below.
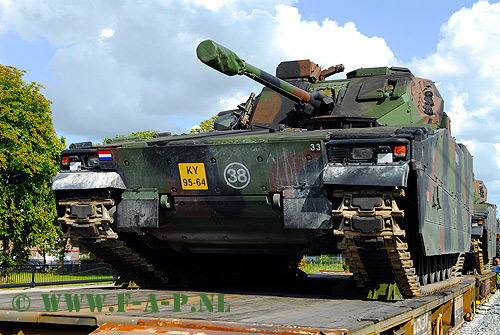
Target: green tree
x=29 y=156
x=205 y=126
x=145 y=134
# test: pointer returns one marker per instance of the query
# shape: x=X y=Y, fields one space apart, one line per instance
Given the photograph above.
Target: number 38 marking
x=237 y=175
x=315 y=146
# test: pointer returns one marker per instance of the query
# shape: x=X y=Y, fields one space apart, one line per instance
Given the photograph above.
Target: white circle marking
x=236 y=175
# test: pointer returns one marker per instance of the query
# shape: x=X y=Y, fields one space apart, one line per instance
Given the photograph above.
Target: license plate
x=193 y=176
x=384 y=158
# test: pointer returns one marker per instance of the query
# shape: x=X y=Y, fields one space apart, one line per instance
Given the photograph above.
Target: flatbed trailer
x=306 y=307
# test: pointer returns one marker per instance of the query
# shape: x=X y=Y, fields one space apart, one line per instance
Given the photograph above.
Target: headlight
x=93 y=161
x=362 y=153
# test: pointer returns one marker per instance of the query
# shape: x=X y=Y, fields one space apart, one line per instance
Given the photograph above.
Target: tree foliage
x=145 y=134
x=29 y=156
x=204 y=126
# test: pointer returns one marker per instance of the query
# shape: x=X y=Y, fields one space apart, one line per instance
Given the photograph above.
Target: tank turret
x=299 y=96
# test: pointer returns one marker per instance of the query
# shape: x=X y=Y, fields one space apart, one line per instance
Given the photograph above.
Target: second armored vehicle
x=484 y=230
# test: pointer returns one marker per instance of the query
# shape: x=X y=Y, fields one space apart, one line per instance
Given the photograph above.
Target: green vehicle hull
x=365 y=166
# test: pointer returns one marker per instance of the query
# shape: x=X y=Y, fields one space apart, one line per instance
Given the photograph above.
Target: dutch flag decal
x=105 y=156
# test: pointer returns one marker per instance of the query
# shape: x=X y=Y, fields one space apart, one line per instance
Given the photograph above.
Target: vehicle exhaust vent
x=337 y=154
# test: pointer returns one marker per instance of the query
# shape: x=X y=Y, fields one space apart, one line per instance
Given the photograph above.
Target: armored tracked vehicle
x=483 y=233
x=364 y=165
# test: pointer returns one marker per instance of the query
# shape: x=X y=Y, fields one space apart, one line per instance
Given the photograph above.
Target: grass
x=313 y=268
x=322 y=263
x=16 y=278
x=54 y=275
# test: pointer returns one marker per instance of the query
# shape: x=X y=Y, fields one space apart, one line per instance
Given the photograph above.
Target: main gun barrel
x=224 y=60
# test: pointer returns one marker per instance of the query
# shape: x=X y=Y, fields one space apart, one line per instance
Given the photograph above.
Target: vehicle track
x=375 y=249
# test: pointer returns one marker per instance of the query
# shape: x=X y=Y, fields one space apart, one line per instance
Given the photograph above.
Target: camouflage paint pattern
x=484 y=221
x=444 y=181
x=268 y=191
x=480 y=192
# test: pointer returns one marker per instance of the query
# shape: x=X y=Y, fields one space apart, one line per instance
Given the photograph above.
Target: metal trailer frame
x=439 y=313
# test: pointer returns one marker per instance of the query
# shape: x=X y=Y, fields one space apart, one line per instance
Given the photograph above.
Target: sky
x=114 y=67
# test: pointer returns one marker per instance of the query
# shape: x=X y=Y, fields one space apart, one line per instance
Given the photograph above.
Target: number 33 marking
x=315 y=146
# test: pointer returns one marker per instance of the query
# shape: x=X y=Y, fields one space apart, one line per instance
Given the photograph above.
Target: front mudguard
x=88 y=180
x=366 y=175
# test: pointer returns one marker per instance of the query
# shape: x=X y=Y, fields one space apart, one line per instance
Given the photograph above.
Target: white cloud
x=466 y=63
x=107 y=33
x=228 y=103
x=128 y=66
x=211 y=4
x=328 y=43
x=471 y=146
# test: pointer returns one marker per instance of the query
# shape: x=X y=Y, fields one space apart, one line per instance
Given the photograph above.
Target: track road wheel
x=442 y=267
x=428 y=270
x=433 y=271
x=447 y=266
x=438 y=265
x=425 y=271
